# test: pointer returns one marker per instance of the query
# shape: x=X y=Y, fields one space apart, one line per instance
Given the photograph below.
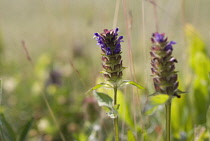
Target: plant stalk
x=116 y=128
x=168 y=120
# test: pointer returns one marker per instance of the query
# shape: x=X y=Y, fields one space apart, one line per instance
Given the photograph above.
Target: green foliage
x=103 y=99
x=158 y=99
x=7 y=132
x=124 y=111
x=200 y=64
x=103 y=84
x=154 y=101
x=109 y=85
x=130 y=135
x=128 y=82
x=25 y=130
x=107 y=101
x=208 y=118
x=81 y=137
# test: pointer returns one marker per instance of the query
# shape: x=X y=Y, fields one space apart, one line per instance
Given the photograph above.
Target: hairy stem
x=116 y=129
x=168 y=120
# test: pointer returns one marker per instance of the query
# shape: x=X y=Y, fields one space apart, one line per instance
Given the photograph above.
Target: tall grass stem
x=53 y=116
x=168 y=120
x=116 y=13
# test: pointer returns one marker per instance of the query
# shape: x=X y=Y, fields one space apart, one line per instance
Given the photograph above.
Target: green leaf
x=106 y=85
x=25 y=130
x=154 y=102
x=6 y=131
x=103 y=99
x=180 y=92
x=130 y=135
x=158 y=99
x=128 y=82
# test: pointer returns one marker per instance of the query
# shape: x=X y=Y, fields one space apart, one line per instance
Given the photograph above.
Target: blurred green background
x=65 y=63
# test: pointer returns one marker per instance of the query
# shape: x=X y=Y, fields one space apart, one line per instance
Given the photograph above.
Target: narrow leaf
x=130 y=135
x=158 y=99
x=154 y=101
x=25 y=130
x=99 y=86
x=103 y=99
x=7 y=132
x=180 y=92
x=126 y=82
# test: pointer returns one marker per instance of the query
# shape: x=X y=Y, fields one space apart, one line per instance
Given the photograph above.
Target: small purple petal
x=169 y=46
x=172 y=43
x=108 y=51
x=116 y=31
x=117 y=49
x=96 y=34
x=120 y=38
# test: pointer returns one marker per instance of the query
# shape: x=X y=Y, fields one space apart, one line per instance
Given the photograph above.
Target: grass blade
x=7 y=133
x=25 y=130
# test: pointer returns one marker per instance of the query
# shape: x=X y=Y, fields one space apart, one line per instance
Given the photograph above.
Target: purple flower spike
x=109 y=42
x=163 y=66
x=111 y=54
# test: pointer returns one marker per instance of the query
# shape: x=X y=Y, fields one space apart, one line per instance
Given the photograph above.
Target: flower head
x=109 y=42
x=163 y=65
x=111 y=57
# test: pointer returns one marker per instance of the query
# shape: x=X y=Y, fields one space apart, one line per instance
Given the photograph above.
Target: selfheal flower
x=163 y=66
x=111 y=58
x=109 y=42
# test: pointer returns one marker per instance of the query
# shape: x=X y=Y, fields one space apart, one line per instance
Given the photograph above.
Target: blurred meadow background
x=49 y=60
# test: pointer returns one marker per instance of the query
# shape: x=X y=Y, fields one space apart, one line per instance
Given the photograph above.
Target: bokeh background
x=49 y=60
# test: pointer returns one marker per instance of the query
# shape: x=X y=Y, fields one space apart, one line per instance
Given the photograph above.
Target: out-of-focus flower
x=163 y=66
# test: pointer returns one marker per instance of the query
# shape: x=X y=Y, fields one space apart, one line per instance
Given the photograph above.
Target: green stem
x=168 y=120
x=116 y=129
